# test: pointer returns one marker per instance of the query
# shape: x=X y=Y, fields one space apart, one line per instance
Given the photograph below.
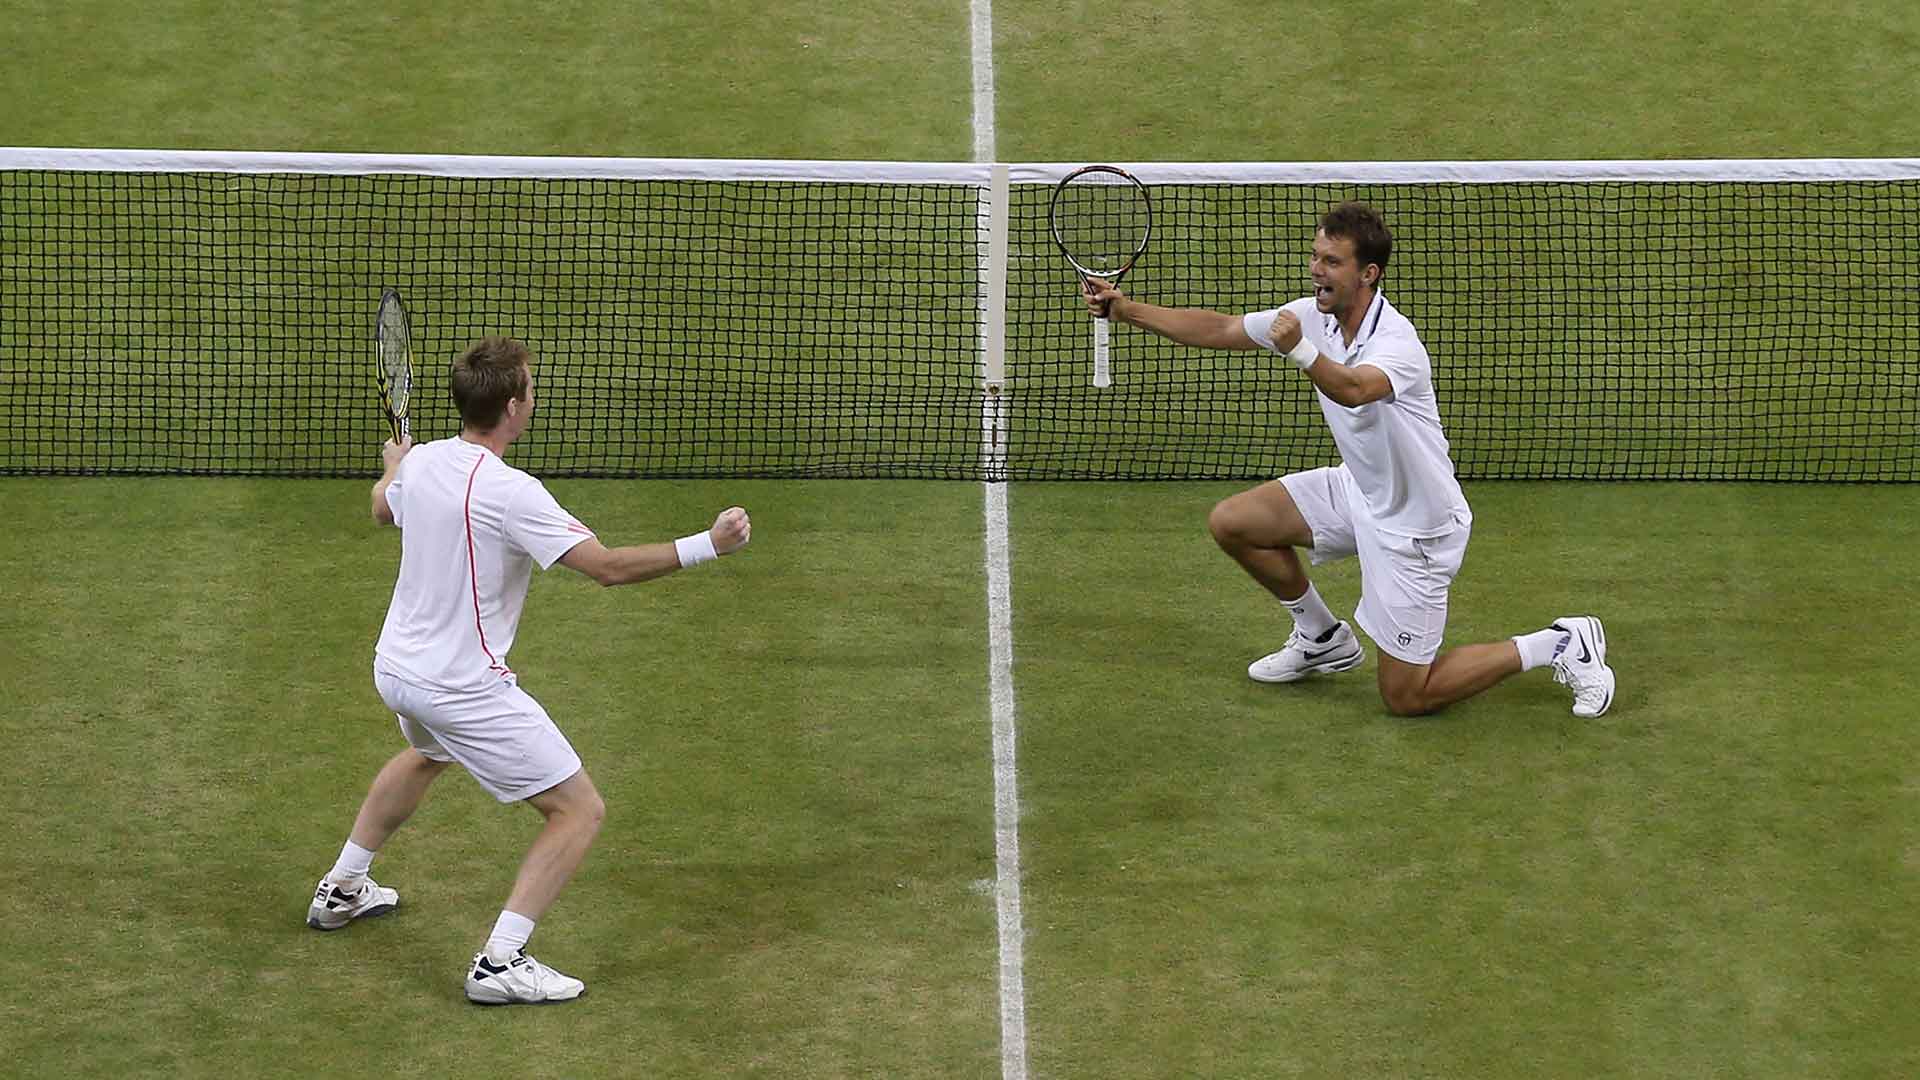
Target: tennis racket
x=393 y=360
x=1101 y=219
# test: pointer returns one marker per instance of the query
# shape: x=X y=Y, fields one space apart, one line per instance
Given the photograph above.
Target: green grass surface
x=1221 y=879
x=1710 y=881
x=1229 y=80
x=788 y=884
x=685 y=79
x=1205 y=80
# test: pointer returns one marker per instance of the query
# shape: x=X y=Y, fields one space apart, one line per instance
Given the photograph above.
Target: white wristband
x=1303 y=353
x=696 y=549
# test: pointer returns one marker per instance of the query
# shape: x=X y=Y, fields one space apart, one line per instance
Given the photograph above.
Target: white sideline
x=1006 y=799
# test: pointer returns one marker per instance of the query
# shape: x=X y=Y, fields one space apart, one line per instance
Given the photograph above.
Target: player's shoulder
x=1301 y=308
x=1304 y=309
x=424 y=455
x=507 y=479
x=521 y=491
x=1396 y=327
x=484 y=475
x=439 y=448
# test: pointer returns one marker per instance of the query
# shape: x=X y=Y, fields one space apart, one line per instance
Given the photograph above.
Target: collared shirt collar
x=1372 y=321
x=1368 y=325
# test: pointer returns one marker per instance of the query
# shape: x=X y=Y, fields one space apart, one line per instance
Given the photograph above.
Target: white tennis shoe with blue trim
x=336 y=904
x=521 y=980
x=1582 y=665
x=1337 y=650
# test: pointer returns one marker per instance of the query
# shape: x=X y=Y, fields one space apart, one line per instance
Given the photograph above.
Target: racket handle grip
x=1102 y=370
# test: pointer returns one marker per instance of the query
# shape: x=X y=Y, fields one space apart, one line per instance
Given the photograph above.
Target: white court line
x=1006 y=801
x=982 y=19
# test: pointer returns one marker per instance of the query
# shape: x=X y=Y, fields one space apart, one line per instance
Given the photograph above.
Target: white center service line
x=1006 y=800
x=982 y=19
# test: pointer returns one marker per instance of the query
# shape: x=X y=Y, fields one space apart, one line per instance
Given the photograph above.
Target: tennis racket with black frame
x=393 y=361
x=1101 y=219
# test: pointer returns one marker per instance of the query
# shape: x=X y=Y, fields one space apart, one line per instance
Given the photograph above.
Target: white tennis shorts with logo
x=1403 y=580
x=499 y=734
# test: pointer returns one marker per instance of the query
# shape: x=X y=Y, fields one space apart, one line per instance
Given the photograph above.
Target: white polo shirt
x=471 y=528
x=1394 y=447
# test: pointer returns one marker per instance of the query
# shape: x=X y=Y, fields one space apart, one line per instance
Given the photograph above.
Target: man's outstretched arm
x=1188 y=326
x=643 y=562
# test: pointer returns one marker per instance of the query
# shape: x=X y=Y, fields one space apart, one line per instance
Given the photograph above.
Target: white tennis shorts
x=1403 y=580
x=500 y=735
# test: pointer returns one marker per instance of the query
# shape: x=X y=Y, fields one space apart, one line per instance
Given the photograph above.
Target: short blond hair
x=492 y=372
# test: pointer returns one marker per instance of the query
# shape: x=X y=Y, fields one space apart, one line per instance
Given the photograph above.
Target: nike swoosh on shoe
x=1586 y=657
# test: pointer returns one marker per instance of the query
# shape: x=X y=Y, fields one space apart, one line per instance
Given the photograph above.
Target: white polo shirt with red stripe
x=471 y=529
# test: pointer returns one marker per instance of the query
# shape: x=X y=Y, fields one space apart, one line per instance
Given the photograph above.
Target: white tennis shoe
x=1301 y=656
x=334 y=907
x=522 y=980
x=1582 y=665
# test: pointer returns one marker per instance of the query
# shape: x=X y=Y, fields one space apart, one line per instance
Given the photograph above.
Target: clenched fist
x=731 y=530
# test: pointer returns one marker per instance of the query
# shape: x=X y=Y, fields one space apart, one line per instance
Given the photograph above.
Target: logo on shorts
x=1405 y=639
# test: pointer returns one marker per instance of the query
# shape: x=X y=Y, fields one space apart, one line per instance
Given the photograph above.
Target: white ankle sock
x=1310 y=613
x=1540 y=647
x=510 y=934
x=353 y=864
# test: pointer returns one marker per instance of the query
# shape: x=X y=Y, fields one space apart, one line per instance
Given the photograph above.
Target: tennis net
x=209 y=313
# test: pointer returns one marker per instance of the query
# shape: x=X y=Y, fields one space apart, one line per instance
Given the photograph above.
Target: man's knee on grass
x=1407 y=703
x=1404 y=691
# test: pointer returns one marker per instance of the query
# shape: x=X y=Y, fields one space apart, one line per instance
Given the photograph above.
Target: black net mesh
x=221 y=324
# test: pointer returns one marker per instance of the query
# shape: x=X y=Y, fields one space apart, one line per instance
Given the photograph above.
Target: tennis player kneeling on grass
x=1393 y=501
x=471 y=528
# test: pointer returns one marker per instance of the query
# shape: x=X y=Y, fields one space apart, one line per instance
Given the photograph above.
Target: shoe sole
x=371 y=913
x=471 y=1000
x=1343 y=664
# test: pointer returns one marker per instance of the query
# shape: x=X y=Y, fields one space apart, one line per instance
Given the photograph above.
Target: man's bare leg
x=347 y=892
x=396 y=793
x=503 y=973
x=1455 y=675
x=1260 y=528
x=574 y=811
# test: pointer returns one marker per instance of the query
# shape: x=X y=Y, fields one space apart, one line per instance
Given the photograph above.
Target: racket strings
x=396 y=356
x=399 y=382
x=1101 y=223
